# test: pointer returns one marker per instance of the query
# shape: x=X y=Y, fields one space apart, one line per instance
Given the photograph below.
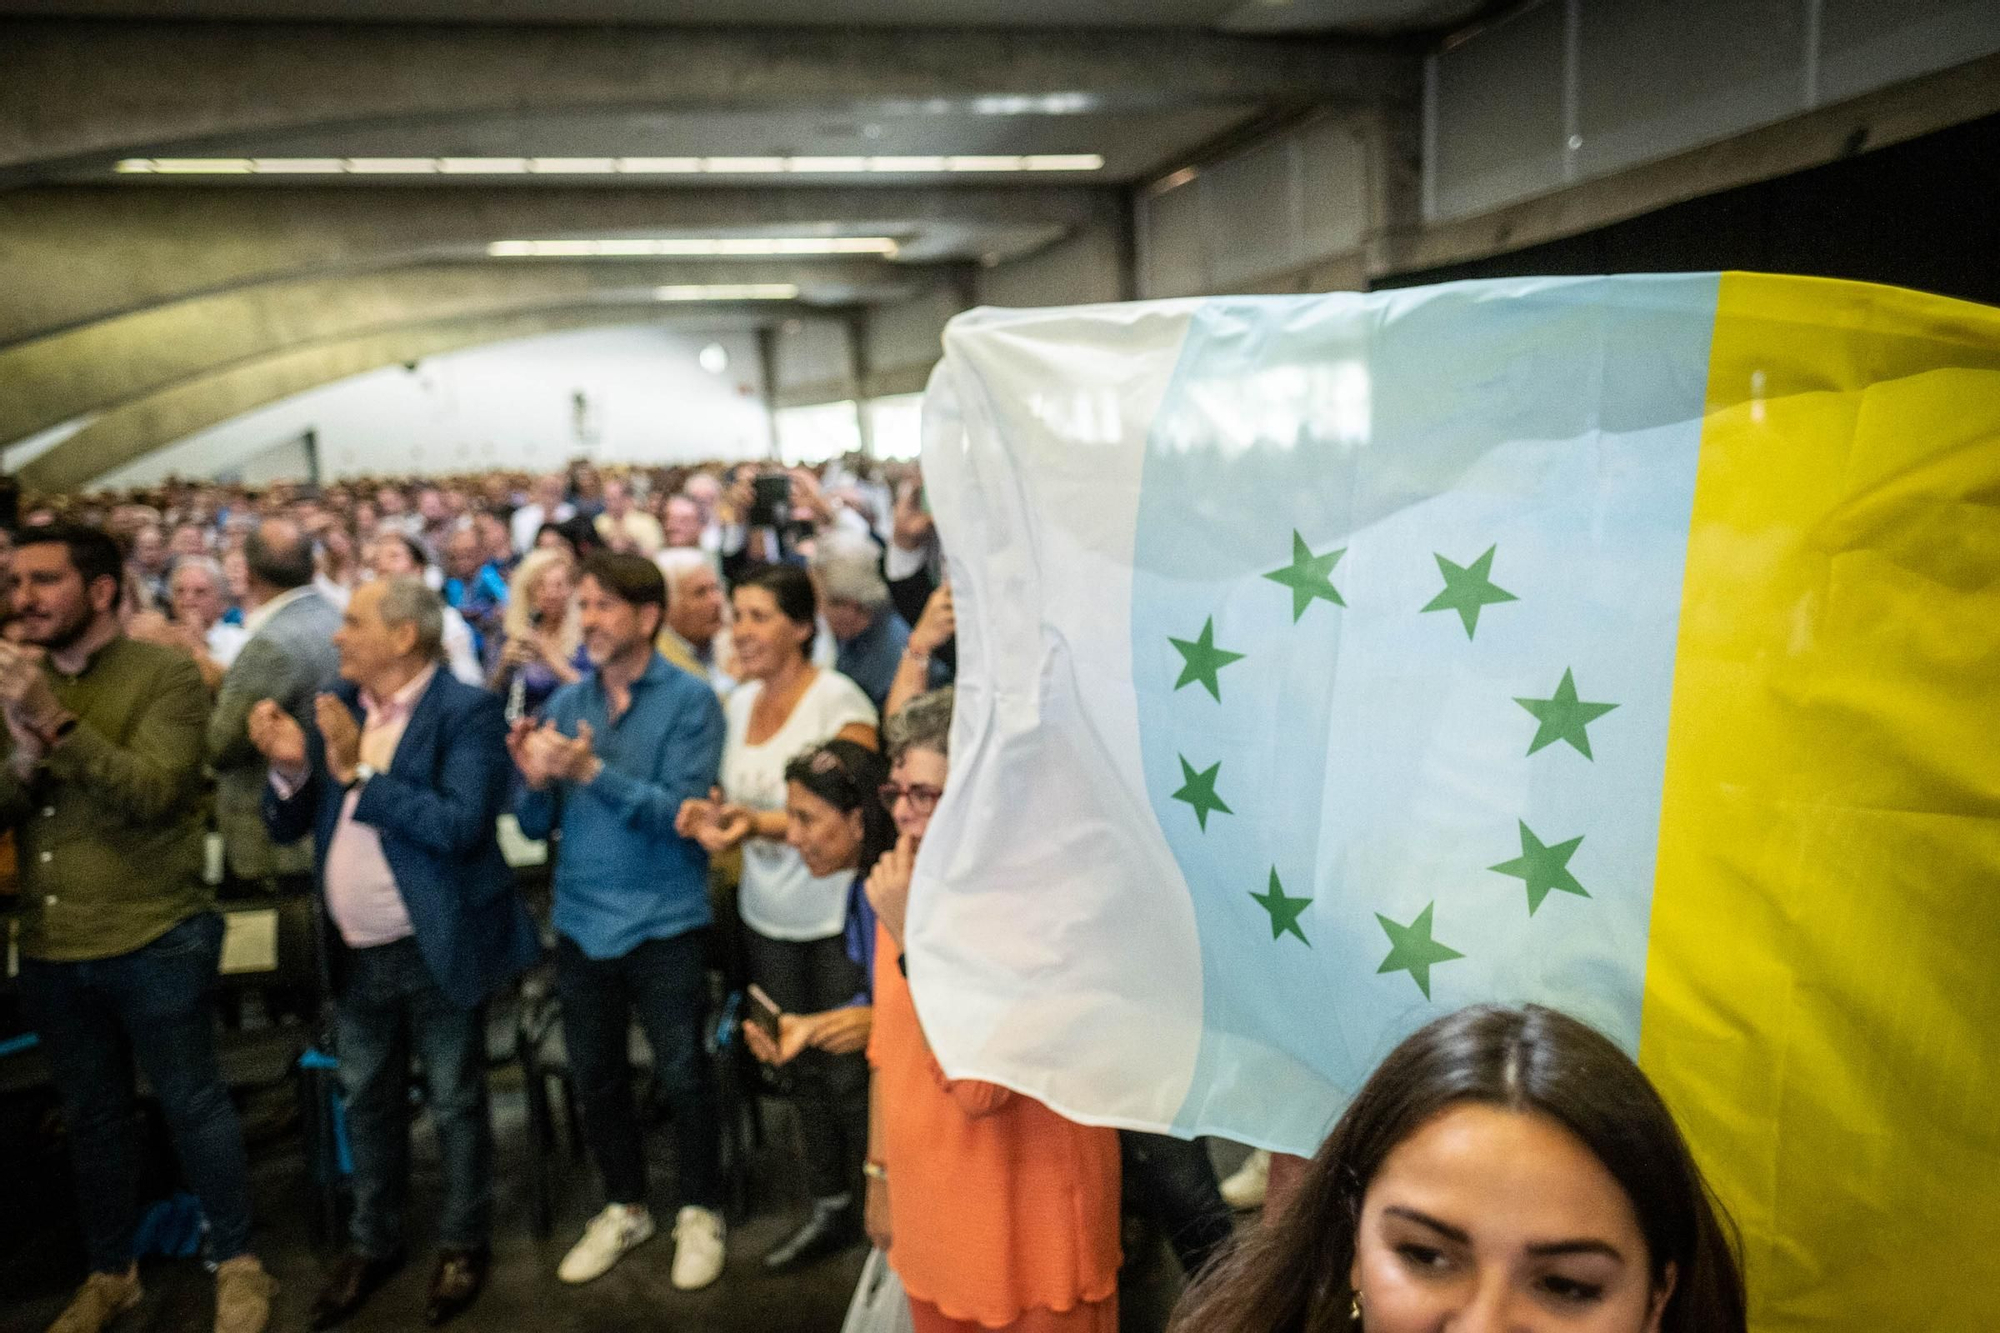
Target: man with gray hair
x=855 y=601
x=198 y=595
x=692 y=636
x=400 y=780
x=287 y=657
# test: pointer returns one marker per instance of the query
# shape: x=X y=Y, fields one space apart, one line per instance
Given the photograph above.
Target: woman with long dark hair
x=795 y=921
x=1504 y=1168
x=835 y=820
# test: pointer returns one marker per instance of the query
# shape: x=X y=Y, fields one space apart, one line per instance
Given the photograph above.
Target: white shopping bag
x=879 y=1305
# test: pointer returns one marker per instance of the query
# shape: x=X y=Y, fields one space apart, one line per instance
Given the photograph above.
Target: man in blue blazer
x=400 y=783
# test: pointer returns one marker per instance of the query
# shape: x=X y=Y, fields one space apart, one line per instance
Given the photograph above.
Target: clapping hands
x=716 y=824
x=342 y=735
x=278 y=737
x=545 y=755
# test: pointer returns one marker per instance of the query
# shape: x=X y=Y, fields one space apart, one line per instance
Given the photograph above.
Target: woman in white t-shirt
x=796 y=948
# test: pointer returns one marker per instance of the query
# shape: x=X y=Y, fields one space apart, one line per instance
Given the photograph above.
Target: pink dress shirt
x=361 y=892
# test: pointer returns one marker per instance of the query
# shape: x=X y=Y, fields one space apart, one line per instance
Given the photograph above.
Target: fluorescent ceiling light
x=1052 y=104
x=390 y=166
x=706 y=247
x=741 y=166
x=483 y=166
x=906 y=164
x=203 y=166
x=599 y=166
x=811 y=164
x=295 y=166
x=728 y=291
x=1063 y=162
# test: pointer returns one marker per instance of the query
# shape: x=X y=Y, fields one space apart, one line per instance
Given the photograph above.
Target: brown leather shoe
x=354 y=1278
x=456 y=1282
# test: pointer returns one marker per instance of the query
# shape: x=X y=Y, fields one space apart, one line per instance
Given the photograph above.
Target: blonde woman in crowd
x=543 y=632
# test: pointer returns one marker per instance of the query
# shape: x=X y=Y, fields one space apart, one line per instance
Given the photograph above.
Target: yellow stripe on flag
x=1822 y=1002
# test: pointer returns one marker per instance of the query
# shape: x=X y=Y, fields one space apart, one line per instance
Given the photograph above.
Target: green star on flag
x=1308 y=576
x=1198 y=790
x=1543 y=868
x=1202 y=660
x=1412 y=950
x=1564 y=717
x=1467 y=588
x=1284 y=911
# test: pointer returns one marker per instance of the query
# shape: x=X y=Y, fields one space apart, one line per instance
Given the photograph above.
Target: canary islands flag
x=1629 y=645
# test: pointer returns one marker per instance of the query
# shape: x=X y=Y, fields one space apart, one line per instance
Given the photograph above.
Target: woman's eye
x=1570 y=1291
x=1425 y=1258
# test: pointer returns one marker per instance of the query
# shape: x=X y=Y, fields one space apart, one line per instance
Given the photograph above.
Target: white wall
x=506 y=405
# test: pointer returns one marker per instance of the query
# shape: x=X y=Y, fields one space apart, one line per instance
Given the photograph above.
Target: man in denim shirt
x=617 y=754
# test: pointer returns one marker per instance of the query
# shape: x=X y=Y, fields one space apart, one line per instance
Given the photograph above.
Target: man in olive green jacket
x=119 y=938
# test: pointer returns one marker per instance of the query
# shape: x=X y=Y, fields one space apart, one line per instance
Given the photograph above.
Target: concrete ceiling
x=1369 y=17
x=150 y=302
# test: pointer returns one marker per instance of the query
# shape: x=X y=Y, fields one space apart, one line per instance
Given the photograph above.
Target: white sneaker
x=1244 y=1190
x=697 y=1248
x=620 y=1227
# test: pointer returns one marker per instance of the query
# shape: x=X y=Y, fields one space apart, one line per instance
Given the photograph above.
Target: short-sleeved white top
x=780 y=899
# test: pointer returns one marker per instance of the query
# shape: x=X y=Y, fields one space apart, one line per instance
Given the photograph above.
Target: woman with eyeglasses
x=795 y=920
x=995 y=1211
x=836 y=820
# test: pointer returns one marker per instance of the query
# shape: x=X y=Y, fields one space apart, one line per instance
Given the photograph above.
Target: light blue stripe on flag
x=1360 y=746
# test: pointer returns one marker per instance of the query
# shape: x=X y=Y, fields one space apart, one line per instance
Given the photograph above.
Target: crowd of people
x=722 y=695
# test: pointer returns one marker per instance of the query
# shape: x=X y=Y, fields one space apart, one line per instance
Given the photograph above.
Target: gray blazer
x=290 y=658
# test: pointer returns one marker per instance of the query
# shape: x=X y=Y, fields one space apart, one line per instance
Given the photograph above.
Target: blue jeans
x=665 y=983
x=153 y=1002
x=389 y=1006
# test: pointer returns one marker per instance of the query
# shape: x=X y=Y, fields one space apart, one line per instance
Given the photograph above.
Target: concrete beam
x=1893 y=115
x=138 y=428
x=73 y=255
x=78 y=89
x=100 y=366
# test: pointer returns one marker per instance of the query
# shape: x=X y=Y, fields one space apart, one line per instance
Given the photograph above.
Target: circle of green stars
x=1543 y=868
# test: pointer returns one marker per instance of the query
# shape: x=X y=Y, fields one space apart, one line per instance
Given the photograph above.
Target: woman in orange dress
x=996 y=1212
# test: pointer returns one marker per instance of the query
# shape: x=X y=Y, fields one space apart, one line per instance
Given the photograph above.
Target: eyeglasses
x=923 y=799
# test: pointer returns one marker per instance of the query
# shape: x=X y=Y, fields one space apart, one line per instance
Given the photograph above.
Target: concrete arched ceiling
x=125 y=433
x=79 y=89
x=101 y=366
x=70 y=256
